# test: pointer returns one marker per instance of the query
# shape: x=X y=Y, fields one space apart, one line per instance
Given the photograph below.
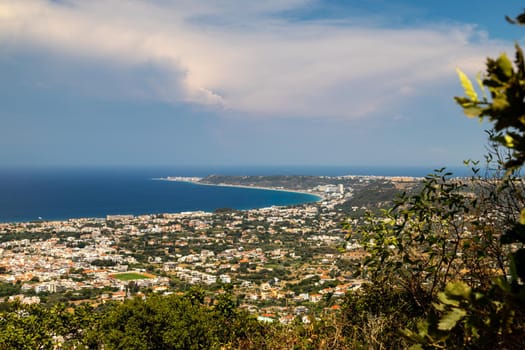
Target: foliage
x=372 y=316
x=373 y=195
x=466 y=318
x=464 y=238
x=37 y=327
x=472 y=317
x=445 y=265
x=7 y=289
x=103 y=262
x=505 y=107
x=188 y=321
x=427 y=239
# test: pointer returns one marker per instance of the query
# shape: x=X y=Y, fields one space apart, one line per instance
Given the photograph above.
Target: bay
x=61 y=193
x=55 y=194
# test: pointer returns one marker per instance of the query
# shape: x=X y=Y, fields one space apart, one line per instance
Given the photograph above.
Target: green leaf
x=458 y=289
x=509 y=141
x=472 y=112
x=467 y=86
x=479 y=80
x=522 y=217
x=449 y=320
x=522 y=119
x=443 y=297
x=499 y=103
x=439 y=307
x=505 y=65
x=475 y=332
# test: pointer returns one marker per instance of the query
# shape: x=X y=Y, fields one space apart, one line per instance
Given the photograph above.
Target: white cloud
x=235 y=54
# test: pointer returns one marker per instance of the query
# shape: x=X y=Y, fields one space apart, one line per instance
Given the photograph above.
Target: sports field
x=128 y=276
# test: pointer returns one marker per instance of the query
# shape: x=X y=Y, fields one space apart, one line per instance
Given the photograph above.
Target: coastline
x=75 y=193
x=69 y=207
x=196 y=181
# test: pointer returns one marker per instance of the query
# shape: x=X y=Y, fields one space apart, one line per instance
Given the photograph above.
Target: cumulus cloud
x=242 y=56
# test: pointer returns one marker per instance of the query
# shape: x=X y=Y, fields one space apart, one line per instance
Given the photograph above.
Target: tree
x=493 y=316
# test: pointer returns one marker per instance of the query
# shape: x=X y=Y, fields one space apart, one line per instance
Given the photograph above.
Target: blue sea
x=28 y=194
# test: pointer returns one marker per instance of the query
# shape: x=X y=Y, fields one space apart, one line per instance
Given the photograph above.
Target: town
x=282 y=262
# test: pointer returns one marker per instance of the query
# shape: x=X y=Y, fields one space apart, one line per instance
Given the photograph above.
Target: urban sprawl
x=282 y=262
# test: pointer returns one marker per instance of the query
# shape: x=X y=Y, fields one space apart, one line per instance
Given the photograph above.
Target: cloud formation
x=244 y=56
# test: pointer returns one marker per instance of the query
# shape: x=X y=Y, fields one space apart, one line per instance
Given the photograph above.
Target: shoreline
x=196 y=181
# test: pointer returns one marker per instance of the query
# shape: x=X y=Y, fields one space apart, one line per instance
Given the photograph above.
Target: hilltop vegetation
x=445 y=268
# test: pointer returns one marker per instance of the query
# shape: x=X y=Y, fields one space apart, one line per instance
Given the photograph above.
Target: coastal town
x=283 y=263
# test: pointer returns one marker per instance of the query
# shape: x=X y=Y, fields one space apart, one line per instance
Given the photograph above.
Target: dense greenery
x=187 y=321
x=372 y=196
x=7 y=289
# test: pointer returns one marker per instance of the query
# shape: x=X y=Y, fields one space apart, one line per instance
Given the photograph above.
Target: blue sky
x=237 y=82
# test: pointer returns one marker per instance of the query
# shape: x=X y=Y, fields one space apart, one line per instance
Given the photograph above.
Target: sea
x=30 y=193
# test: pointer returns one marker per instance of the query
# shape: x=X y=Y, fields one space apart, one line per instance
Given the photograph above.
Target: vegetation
x=478 y=315
x=9 y=289
x=373 y=196
x=445 y=268
x=185 y=321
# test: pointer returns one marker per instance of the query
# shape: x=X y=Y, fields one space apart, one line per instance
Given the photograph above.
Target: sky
x=243 y=82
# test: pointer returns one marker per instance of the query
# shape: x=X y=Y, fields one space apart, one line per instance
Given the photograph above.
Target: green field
x=128 y=276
